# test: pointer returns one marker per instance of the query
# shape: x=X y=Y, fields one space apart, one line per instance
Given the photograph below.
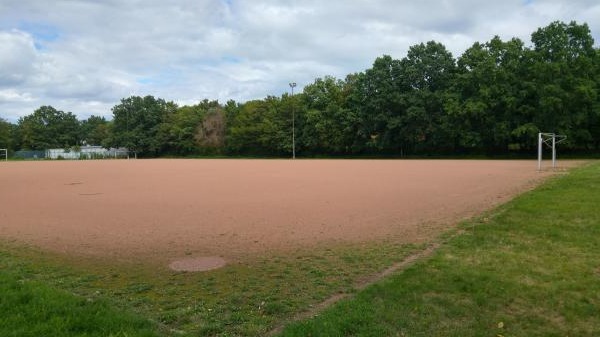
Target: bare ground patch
x=164 y=210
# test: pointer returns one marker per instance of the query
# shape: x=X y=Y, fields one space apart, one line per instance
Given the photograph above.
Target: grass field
x=238 y=300
x=531 y=268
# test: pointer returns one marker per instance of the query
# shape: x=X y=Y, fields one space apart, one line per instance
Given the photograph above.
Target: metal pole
x=539 y=151
x=127 y=142
x=554 y=151
x=292 y=85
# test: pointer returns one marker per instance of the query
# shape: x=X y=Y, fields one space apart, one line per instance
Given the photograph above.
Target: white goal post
x=4 y=153
x=550 y=140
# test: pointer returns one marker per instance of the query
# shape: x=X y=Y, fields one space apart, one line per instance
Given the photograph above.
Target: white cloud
x=84 y=56
x=17 y=57
x=13 y=96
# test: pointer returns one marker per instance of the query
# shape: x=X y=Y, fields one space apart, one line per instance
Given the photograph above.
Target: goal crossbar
x=550 y=140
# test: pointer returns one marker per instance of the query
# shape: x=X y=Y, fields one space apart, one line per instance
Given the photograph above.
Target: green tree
x=49 y=128
x=489 y=111
x=94 y=130
x=177 y=134
x=6 y=135
x=566 y=85
x=426 y=75
x=328 y=125
x=137 y=123
x=260 y=127
x=196 y=129
x=376 y=98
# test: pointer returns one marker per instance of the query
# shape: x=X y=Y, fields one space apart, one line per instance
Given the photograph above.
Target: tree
x=49 y=128
x=376 y=98
x=260 y=127
x=210 y=134
x=428 y=67
x=196 y=129
x=490 y=87
x=426 y=75
x=328 y=123
x=564 y=77
x=6 y=135
x=177 y=134
x=137 y=122
x=94 y=130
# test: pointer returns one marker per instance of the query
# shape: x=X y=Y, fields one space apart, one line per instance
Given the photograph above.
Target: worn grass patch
x=530 y=268
x=241 y=299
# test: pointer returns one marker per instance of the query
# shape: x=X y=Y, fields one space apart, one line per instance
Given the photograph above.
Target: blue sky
x=83 y=56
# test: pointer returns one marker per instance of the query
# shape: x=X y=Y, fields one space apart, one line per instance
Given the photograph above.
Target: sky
x=84 y=56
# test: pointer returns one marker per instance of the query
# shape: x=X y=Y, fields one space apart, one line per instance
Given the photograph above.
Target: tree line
x=492 y=100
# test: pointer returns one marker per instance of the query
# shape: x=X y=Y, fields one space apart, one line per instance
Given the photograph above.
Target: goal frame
x=4 y=153
x=550 y=140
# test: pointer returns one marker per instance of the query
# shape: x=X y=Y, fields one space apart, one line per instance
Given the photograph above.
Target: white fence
x=87 y=152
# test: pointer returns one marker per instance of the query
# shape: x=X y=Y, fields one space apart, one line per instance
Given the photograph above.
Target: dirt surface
x=169 y=209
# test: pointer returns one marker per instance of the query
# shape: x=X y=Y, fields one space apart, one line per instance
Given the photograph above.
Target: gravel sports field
x=166 y=209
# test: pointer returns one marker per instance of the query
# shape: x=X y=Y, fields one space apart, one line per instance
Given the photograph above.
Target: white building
x=87 y=152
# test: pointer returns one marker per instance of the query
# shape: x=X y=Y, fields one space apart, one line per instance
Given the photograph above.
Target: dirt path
x=164 y=209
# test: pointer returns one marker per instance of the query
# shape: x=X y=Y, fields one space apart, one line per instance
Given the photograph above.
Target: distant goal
x=549 y=140
x=4 y=154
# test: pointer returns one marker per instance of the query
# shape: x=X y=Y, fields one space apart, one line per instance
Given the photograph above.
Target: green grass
x=529 y=268
x=242 y=299
x=32 y=308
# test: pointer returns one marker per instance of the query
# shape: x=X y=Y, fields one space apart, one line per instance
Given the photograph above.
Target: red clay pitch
x=164 y=209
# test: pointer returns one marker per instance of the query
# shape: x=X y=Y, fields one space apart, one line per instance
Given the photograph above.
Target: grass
x=33 y=308
x=243 y=299
x=529 y=268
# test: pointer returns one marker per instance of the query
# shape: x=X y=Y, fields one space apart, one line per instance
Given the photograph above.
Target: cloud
x=17 y=58
x=13 y=96
x=84 y=56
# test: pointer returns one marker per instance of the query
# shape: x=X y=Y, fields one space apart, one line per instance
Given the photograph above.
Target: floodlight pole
x=128 y=133
x=293 y=85
x=127 y=112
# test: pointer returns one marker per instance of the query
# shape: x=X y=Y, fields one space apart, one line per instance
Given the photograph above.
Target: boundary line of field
x=360 y=285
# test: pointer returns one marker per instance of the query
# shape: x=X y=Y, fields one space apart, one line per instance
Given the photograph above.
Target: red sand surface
x=163 y=209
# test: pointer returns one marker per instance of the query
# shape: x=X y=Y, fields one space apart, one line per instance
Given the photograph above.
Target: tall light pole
x=293 y=85
x=128 y=142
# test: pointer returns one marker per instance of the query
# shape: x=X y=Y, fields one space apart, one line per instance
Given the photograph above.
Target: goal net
x=549 y=140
